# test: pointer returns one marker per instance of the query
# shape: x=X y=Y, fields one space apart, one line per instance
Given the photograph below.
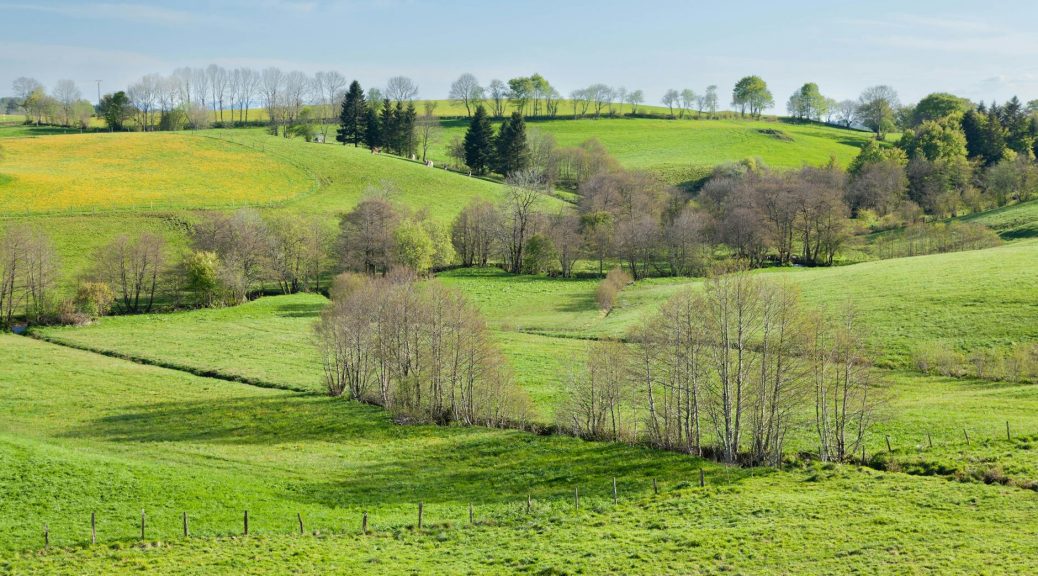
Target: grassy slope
x=83 y=433
x=683 y=150
x=1015 y=222
x=94 y=172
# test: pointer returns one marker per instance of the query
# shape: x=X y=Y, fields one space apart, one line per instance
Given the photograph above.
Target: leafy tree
x=877 y=107
x=479 y=142
x=751 y=94
x=202 y=274
x=873 y=152
x=414 y=247
x=935 y=140
x=938 y=105
x=513 y=153
x=985 y=138
x=1017 y=125
x=807 y=103
x=353 y=116
x=539 y=254
x=116 y=110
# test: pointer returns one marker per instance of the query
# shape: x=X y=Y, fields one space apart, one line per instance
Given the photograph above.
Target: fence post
x=967 y=435
x=529 y=503
x=655 y=488
x=299 y=517
x=576 y=498
x=615 y=498
x=364 y=523
x=187 y=530
x=471 y=515
x=929 y=440
x=142 y=524
x=863 y=460
x=889 y=449
x=702 y=478
x=93 y=528
x=420 y=510
x=245 y=521
x=46 y=536
x=1008 y=436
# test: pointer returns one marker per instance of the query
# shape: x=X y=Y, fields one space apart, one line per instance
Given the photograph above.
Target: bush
x=94 y=299
x=938 y=358
x=614 y=282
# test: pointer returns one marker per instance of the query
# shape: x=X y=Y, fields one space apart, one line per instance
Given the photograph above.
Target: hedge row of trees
x=729 y=371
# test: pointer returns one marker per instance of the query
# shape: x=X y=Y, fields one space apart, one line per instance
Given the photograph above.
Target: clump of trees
x=610 y=287
x=381 y=122
x=63 y=106
x=417 y=349
x=729 y=371
x=29 y=268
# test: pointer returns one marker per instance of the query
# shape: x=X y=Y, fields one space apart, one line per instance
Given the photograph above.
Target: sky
x=980 y=51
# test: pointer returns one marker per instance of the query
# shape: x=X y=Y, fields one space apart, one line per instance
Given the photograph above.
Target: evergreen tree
x=372 y=127
x=479 y=142
x=388 y=124
x=353 y=116
x=984 y=138
x=408 y=125
x=512 y=151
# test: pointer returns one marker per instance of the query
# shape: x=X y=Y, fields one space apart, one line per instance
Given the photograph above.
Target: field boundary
x=203 y=373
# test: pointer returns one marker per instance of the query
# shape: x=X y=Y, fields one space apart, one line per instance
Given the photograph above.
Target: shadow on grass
x=383 y=463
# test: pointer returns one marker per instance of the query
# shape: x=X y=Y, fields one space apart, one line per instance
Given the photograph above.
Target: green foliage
x=201 y=271
x=873 y=152
x=479 y=142
x=116 y=110
x=414 y=248
x=94 y=298
x=751 y=95
x=538 y=254
x=352 y=116
x=937 y=106
x=935 y=140
x=512 y=151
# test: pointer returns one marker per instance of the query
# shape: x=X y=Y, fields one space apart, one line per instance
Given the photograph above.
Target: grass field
x=685 y=150
x=98 y=172
x=113 y=437
x=1015 y=222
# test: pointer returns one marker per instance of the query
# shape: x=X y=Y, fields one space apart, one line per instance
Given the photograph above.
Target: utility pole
x=98 y=92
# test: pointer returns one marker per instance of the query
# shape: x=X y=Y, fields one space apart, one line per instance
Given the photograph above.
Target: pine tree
x=353 y=117
x=512 y=151
x=408 y=125
x=388 y=123
x=372 y=127
x=479 y=142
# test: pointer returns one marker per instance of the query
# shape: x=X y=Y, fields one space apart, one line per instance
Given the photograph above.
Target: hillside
x=682 y=151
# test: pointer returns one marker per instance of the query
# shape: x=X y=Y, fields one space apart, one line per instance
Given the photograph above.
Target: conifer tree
x=512 y=151
x=353 y=117
x=372 y=127
x=479 y=142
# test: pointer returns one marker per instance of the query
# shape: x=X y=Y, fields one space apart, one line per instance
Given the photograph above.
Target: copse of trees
x=727 y=371
x=751 y=95
x=29 y=269
x=417 y=349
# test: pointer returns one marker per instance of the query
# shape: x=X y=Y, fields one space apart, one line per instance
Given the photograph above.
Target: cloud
x=136 y=13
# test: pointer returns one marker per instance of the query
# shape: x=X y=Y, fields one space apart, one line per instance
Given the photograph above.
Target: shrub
x=614 y=282
x=94 y=299
x=938 y=358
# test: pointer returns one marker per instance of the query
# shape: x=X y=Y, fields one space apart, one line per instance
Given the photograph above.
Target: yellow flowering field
x=95 y=172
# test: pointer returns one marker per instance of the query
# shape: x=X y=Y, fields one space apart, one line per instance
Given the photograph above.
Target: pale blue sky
x=982 y=51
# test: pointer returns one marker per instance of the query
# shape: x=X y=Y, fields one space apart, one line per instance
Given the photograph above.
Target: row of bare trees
x=416 y=348
x=729 y=371
x=28 y=274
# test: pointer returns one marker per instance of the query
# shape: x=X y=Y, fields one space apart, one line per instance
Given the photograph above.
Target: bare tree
x=635 y=98
x=522 y=194
x=366 y=237
x=143 y=95
x=67 y=95
x=271 y=85
x=467 y=92
x=240 y=241
x=401 y=89
x=133 y=269
x=428 y=127
x=329 y=88
x=498 y=93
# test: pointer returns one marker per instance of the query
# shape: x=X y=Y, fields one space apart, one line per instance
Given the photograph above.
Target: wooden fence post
x=187 y=530
x=702 y=478
x=472 y=517
x=929 y=440
x=864 y=462
x=46 y=536
x=142 y=524
x=967 y=435
x=529 y=503
x=245 y=522
x=615 y=497
x=420 y=510
x=655 y=488
x=93 y=528
x=889 y=449
x=364 y=523
x=299 y=517
x=576 y=498
x=1008 y=437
